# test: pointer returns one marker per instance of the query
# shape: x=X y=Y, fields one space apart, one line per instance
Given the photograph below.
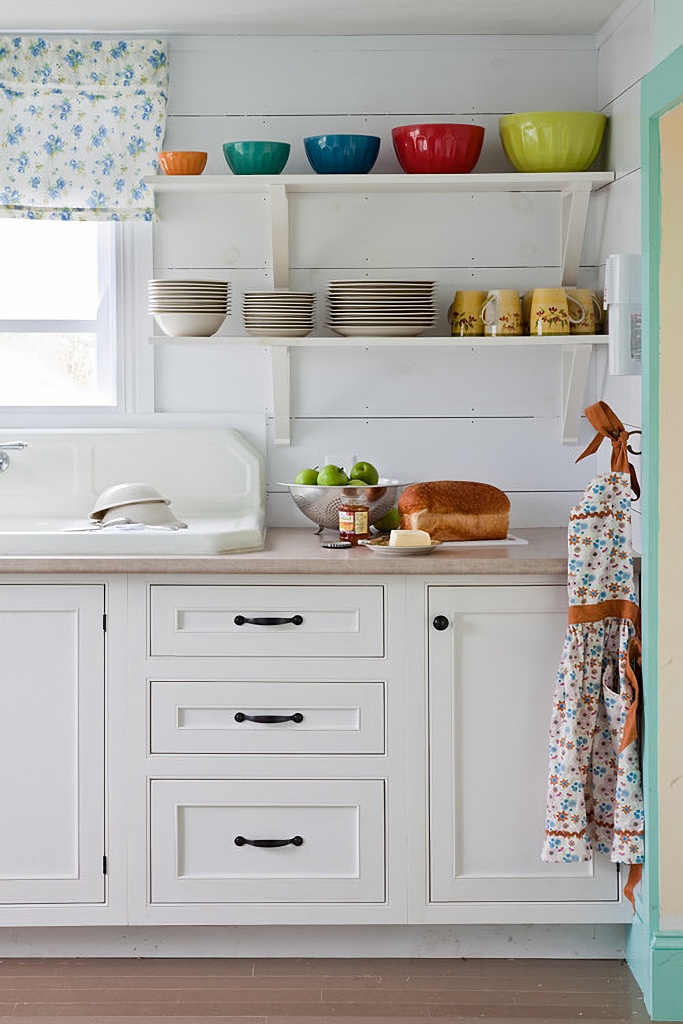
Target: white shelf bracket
x=279 y=234
x=575 y=363
x=279 y=367
x=574 y=214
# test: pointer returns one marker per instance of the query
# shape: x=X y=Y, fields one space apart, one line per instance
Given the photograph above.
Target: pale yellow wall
x=671 y=522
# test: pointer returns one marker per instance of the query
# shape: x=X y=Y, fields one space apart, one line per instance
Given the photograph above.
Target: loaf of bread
x=455 y=510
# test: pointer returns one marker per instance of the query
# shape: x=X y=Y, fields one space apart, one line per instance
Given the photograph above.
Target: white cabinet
x=493 y=658
x=266 y=741
x=278 y=773
x=52 y=744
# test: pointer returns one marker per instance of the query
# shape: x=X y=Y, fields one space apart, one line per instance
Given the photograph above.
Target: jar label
x=353 y=522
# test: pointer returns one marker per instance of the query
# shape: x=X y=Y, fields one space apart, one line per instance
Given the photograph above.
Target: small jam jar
x=353 y=521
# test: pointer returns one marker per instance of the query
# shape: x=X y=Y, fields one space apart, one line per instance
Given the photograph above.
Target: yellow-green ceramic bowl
x=552 y=140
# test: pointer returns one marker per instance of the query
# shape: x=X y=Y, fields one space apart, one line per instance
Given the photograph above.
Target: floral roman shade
x=81 y=124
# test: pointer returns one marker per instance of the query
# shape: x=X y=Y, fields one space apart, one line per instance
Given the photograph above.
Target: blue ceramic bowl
x=256 y=157
x=342 y=154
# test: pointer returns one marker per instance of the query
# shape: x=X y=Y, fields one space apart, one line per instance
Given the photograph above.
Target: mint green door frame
x=655 y=957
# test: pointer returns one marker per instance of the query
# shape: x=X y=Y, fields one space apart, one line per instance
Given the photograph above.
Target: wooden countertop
x=298 y=552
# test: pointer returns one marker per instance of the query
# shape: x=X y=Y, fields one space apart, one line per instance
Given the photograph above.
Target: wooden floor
x=269 y=991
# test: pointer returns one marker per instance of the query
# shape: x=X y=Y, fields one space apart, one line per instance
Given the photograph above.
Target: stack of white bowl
x=282 y=314
x=381 y=308
x=189 y=308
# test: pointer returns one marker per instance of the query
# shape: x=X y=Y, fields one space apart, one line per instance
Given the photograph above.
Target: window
x=57 y=315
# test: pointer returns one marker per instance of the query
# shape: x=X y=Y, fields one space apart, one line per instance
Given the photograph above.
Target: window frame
x=125 y=367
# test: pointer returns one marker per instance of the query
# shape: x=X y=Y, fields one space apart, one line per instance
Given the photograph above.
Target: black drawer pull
x=268 y=620
x=440 y=622
x=269 y=843
x=269 y=719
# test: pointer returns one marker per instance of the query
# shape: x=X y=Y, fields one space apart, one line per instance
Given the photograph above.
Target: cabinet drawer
x=216 y=717
x=195 y=859
x=207 y=621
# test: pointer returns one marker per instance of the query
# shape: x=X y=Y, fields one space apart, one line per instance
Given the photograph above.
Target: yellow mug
x=591 y=323
x=553 y=312
x=464 y=314
x=501 y=314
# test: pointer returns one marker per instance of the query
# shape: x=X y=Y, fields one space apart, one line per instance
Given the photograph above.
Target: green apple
x=357 y=483
x=306 y=476
x=391 y=521
x=332 y=476
x=366 y=472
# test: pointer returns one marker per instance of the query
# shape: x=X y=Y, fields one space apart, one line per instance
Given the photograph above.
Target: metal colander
x=321 y=504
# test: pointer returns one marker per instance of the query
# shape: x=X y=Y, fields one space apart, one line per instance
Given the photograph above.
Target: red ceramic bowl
x=438 y=148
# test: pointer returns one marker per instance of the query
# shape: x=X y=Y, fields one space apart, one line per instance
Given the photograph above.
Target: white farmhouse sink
x=213 y=478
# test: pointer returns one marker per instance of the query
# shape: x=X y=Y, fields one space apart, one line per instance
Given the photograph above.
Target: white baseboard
x=606 y=941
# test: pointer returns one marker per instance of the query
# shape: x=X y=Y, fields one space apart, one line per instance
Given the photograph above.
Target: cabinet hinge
x=104 y=622
x=104 y=864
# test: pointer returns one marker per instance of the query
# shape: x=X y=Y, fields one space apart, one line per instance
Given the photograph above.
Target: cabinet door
x=51 y=744
x=492 y=676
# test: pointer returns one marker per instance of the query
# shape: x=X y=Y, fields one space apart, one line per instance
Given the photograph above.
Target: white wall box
x=52 y=801
x=267 y=841
x=491 y=668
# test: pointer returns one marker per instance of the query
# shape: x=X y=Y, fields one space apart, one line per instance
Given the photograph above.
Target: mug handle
x=582 y=316
x=597 y=305
x=490 y=301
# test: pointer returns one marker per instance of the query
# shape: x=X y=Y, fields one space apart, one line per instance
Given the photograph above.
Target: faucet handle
x=4 y=457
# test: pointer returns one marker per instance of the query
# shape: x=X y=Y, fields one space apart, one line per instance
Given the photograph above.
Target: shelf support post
x=575 y=363
x=279 y=367
x=574 y=214
x=279 y=234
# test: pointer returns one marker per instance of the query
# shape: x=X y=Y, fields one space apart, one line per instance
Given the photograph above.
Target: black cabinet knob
x=440 y=622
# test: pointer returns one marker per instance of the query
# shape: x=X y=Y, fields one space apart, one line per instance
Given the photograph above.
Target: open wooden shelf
x=576 y=354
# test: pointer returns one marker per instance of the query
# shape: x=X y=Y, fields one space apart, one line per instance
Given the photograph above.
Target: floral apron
x=595 y=799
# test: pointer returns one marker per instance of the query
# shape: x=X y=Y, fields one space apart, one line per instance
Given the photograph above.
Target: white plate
x=366 y=282
x=382 y=547
x=398 y=331
x=277 y=305
x=279 y=332
x=285 y=295
x=381 y=318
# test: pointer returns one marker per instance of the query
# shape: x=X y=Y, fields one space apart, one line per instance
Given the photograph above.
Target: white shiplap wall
x=625 y=55
x=418 y=413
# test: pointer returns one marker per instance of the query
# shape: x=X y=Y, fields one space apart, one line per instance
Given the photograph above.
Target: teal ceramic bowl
x=552 y=140
x=256 y=157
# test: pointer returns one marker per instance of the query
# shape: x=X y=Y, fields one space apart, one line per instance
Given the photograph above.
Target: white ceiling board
x=311 y=17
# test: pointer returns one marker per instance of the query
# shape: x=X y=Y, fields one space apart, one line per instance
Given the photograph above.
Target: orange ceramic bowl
x=182 y=161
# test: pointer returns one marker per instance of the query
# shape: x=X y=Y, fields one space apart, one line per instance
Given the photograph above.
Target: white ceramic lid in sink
x=125 y=494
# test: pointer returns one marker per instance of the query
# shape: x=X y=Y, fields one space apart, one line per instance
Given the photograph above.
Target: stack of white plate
x=381 y=308
x=282 y=314
x=189 y=308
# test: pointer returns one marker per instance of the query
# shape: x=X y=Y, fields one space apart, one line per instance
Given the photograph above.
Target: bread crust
x=455 y=510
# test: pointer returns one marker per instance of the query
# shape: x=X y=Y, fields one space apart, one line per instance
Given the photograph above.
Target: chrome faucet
x=4 y=457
